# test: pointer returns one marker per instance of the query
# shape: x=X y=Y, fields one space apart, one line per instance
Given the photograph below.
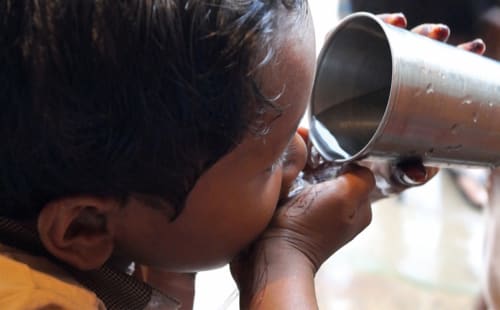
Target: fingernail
x=398 y=19
x=412 y=180
x=414 y=175
x=411 y=173
x=440 y=32
x=478 y=46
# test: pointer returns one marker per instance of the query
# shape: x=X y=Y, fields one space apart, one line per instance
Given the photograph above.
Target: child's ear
x=76 y=230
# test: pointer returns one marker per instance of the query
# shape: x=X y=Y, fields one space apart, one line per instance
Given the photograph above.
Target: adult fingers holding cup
x=385 y=94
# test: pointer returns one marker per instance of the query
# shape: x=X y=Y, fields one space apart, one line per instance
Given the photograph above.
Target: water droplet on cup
x=454 y=148
x=475 y=118
x=454 y=129
x=467 y=102
x=429 y=89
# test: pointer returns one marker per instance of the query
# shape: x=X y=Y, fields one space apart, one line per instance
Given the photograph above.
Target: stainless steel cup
x=382 y=92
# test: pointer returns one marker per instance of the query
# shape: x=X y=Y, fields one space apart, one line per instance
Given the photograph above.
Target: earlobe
x=76 y=230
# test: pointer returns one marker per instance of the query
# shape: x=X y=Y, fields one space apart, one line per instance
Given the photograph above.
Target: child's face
x=233 y=201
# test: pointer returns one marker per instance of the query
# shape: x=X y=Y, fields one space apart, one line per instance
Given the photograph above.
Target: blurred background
x=423 y=249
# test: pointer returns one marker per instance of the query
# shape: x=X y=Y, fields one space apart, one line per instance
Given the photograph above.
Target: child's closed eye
x=283 y=158
x=278 y=163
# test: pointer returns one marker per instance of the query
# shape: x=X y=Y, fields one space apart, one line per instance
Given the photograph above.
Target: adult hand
x=439 y=32
x=391 y=178
x=394 y=178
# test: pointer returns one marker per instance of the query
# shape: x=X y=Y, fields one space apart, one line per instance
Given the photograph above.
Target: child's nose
x=294 y=163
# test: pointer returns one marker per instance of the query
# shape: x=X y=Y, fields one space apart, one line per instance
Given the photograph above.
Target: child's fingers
x=476 y=46
x=304 y=133
x=438 y=32
x=395 y=19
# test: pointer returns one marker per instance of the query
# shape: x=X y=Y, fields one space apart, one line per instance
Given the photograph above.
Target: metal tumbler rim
x=353 y=21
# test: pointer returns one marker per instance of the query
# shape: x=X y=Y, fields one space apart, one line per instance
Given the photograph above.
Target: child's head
x=148 y=129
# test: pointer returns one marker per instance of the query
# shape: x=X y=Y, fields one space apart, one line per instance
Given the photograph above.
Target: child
x=161 y=135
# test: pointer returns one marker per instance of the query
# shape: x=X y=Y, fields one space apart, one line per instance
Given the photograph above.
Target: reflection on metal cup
x=385 y=93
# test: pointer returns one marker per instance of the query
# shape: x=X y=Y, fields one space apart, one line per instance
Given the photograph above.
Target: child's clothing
x=25 y=287
x=31 y=279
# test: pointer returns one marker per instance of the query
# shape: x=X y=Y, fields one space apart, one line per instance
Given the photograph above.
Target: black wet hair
x=112 y=98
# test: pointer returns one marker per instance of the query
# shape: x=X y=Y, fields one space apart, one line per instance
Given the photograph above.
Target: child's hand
x=325 y=216
x=307 y=229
